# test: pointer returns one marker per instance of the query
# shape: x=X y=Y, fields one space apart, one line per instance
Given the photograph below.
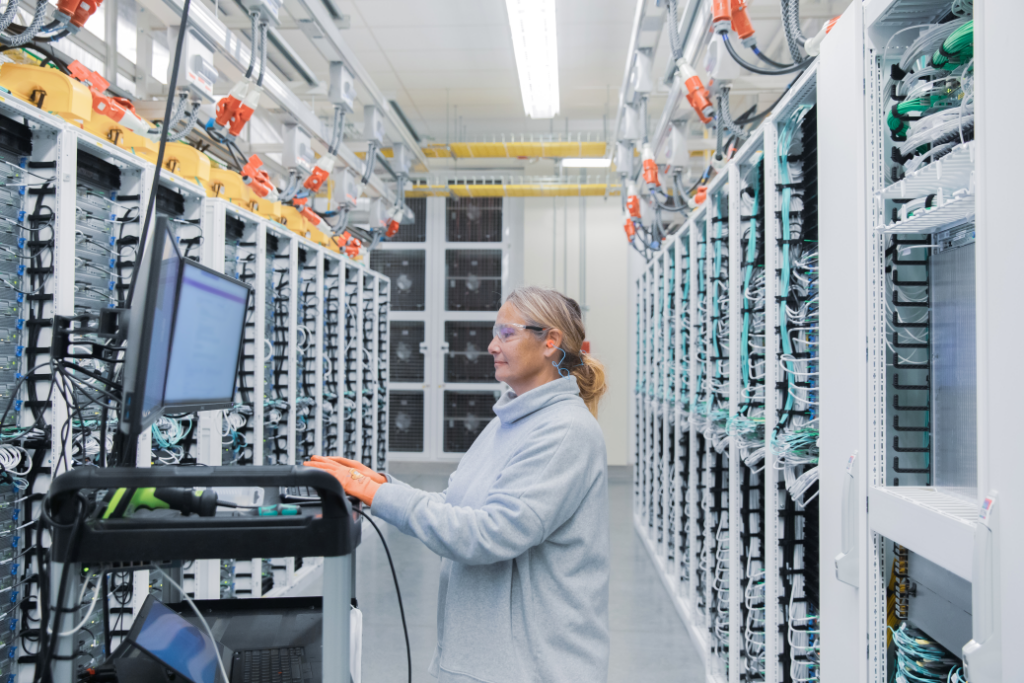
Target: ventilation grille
x=407 y=270
x=812 y=575
x=954 y=362
x=406 y=359
x=467 y=359
x=466 y=413
x=97 y=174
x=170 y=202
x=416 y=231
x=473 y=219
x=473 y=280
x=405 y=431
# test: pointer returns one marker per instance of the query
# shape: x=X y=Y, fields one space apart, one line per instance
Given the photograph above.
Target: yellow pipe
x=528 y=190
x=508 y=150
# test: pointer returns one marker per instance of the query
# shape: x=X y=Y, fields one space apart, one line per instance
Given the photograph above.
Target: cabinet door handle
x=847 y=561
x=983 y=654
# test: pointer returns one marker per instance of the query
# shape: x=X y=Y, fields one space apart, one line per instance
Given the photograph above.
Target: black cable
x=398 y=592
x=163 y=146
x=792 y=68
x=768 y=60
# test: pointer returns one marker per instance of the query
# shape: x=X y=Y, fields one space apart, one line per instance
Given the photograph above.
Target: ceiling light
x=536 y=48
x=600 y=162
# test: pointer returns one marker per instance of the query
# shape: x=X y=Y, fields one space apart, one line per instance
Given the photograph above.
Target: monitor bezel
x=149 y=271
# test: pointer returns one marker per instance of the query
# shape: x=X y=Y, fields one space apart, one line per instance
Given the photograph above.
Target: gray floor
x=648 y=641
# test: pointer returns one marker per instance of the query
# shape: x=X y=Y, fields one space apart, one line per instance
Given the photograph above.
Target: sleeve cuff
x=391 y=503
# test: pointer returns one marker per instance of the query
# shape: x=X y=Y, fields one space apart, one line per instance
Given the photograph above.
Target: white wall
x=551 y=258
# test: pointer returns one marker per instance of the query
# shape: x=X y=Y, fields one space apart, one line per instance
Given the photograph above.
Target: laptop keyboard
x=278 y=665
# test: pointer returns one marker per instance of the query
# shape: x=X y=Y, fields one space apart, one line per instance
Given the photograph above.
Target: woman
x=523 y=525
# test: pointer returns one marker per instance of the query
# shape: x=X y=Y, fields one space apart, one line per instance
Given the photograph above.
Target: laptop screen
x=178 y=644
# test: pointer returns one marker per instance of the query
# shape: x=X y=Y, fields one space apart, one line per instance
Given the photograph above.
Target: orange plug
x=702 y=194
x=632 y=201
x=721 y=15
x=319 y=175
x=741 y=21
x=630 y=229
x=353 y=247
x=78 y=10
x=650 y=166
x=117 y=108
x=258 y=180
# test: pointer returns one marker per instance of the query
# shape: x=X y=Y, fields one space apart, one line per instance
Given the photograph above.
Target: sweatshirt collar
x=511 y=408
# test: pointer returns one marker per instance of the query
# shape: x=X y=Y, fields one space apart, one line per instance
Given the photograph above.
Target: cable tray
x=952 y=172
x=947 y=213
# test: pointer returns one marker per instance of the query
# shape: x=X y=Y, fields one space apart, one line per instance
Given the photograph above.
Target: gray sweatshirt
x=523 y=530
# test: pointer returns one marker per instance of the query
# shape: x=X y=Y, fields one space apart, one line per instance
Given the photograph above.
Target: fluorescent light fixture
x=536 y=48
x=600 y=162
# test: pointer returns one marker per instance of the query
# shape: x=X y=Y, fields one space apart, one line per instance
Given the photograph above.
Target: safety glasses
x=506 y=331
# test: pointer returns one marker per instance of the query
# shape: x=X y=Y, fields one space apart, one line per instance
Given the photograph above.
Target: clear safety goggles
x=506 y=331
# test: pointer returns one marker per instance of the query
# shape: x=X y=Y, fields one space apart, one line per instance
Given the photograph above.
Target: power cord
x=398 y=592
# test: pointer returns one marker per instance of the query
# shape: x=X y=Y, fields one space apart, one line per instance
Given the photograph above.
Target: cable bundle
x=919 y=659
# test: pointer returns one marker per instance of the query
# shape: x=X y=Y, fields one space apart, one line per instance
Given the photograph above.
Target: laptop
x=188 y=651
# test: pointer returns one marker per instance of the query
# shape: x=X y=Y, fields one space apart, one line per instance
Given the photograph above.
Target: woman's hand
x=358 y=466
x=354 y=482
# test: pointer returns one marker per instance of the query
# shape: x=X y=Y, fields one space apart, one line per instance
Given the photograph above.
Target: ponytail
x=590 y=378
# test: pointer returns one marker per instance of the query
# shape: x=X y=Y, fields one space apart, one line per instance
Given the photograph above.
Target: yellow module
x=293 y=220
x=229 y=185
x=48 y=89
x=267 y=209
x=110 y=130
x=186 y=162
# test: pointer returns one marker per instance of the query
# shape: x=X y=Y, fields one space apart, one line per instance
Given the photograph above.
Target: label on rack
x=986 y=508
x=849 y=463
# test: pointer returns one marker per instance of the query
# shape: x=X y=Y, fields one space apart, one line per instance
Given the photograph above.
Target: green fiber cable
x=958 y=48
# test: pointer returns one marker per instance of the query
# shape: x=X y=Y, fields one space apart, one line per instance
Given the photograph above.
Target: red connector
x=79 y=11
x=117 y=108
x=632 y=201
x=650 y=166
x=319 y=175
x=702 y=195
x=630 y=230
x=258 y=180
x=304 y=211
x=696 y=94
x=353 y=247
x=236 y=108
x=741 y=21
x=721 y=15
x=394 y=222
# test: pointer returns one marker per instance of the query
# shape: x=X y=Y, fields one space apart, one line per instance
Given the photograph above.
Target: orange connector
x=650 y=166
x=320 y=173
x=236 y=108
x=702 y=194
x=394 y=222
x=630 y=230
x=353 y=247
x=117 y=108
x=696 y=94
x=741 y=21
x=258 y=180
x=721 y=15
x=79 y=11
x=304 y=211
x=632 y=201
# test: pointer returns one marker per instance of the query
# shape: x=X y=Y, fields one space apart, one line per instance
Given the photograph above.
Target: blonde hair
x=548 y=308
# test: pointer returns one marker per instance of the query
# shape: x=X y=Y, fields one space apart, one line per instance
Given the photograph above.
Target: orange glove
x=354 y=482
x=345 y=462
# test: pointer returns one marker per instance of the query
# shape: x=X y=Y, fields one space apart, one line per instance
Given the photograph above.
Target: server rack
x=70 y=218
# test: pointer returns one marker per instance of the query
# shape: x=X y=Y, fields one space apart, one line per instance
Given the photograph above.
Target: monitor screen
x=207 y=335
x=185 y=648
x=162 y=321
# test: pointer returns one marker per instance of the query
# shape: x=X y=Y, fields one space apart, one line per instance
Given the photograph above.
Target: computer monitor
x=185 y=331
x=185 y=649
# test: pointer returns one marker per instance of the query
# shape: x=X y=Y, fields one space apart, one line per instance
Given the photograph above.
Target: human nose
x=494 y=348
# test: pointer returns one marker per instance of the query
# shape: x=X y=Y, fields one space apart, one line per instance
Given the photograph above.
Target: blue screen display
x=178 y=644
x=207 y=336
